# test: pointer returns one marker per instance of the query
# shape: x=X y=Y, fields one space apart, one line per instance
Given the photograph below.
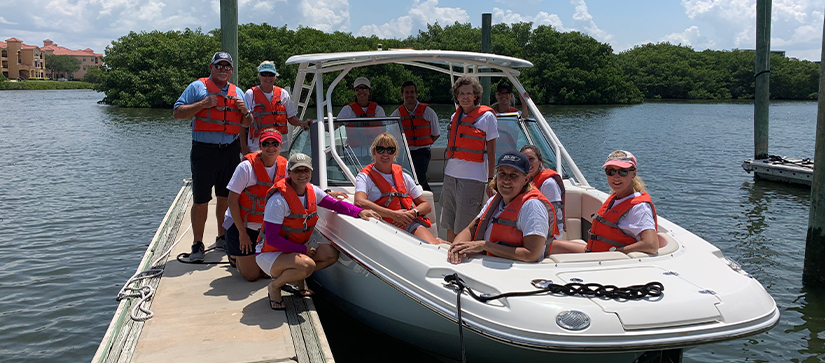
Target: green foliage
x=93 y=75
x=152 y=69
x=44 y=85
x=62 y=63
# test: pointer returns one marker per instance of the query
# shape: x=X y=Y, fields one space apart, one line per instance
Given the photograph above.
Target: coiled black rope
x=635 y=292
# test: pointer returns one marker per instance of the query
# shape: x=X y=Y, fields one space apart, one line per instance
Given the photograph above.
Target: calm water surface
x=85 y=186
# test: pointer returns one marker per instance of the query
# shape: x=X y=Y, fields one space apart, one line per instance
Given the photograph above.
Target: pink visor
x=270 y=135
x=628 y=161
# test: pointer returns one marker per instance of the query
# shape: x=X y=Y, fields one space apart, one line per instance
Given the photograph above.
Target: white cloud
x=690 y=37
x=4 y=21
x=542 y=18
x=582 y=17
x=419 y=15
x=325 y=15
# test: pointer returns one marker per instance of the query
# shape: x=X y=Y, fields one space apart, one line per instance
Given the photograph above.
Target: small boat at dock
x=396 y=283
x=778 y=168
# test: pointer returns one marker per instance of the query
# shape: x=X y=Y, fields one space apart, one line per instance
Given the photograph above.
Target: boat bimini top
x=453 y=63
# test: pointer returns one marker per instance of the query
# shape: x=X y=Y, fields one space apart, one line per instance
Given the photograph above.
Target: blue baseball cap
x=515 y=160
x=221 y=57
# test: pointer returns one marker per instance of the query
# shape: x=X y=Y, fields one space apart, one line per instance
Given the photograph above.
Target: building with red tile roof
x=21 y=61
x=87 y=57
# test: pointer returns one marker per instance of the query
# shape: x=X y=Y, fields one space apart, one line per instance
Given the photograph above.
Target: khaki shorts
x=461 y=200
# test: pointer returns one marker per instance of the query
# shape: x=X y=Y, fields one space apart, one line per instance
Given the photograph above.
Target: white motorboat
x=395 y=283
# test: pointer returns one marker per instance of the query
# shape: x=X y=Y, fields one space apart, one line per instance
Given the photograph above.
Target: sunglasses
x=622 y=172
x=223 y=67
x=385 y=150
x=361 y=88
x=270 y=143
x=267 y=74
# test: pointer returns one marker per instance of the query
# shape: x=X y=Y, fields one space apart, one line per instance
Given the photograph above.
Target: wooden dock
x=208 y=312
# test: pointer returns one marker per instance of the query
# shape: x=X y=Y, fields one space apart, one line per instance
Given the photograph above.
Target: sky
x=700 y=24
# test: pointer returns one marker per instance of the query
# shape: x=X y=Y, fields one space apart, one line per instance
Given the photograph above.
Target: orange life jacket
x=605 y=232
x=298 y=225
x=467 y=142
x=253 y=199
x=393 y=197
x=225 y=116
x=416 y=127
x=504 y=229
x=359 y=112
x=545 y=174
x=267 y=113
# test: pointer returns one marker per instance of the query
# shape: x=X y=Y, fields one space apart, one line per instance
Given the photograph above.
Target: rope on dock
x=145 y=292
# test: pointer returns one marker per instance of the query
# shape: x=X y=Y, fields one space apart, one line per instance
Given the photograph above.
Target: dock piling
x=229 y=34
x=486 y=47
x=813 y=272
x=762 y=74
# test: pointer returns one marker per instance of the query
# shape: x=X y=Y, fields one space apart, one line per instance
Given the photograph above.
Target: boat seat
x=433 y=228
x=435 y=172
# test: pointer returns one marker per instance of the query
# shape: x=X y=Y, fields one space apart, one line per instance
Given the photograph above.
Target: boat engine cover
x=681 y=303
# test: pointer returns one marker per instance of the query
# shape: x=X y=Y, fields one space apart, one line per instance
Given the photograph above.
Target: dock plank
x=209 y=313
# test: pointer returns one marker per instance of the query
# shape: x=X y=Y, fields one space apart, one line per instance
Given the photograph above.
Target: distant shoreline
x=44 y=85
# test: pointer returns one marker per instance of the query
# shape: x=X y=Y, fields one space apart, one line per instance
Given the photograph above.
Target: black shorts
x=212 y=166
x=233 y=241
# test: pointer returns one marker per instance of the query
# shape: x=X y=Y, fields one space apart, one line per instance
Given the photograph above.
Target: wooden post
x=813 y=272
x=229 y=34
x=486 y=47
x=762 y=74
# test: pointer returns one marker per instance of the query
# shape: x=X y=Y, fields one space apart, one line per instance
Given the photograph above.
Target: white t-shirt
x=363 y=183
x=639 y=218
x=550 y=189
x=249 y=98
x=463 y=169
x=429 y=115
x=347 y=112
x=532 y=218
x=277 y=208
x=244 y=177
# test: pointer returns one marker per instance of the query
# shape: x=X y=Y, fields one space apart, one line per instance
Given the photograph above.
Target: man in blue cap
x=271 y=107
x=218 y=113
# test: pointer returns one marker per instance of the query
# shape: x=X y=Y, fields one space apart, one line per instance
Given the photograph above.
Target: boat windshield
x=353 y=139
x=514 y=132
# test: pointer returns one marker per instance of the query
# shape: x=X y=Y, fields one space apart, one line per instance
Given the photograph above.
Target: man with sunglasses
x=218 y=113
x=420 y=128
x=271 y=107
x=362 y=107
x=247 y=198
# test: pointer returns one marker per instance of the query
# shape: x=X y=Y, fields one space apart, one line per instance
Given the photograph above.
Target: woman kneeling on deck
x=626 y=222
x=515 y=222
x=289 y=220
x=385 y=188
x=250 y=182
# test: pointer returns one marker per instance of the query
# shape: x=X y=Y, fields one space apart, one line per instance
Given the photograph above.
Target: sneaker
x=220 y=242
x=197 y=252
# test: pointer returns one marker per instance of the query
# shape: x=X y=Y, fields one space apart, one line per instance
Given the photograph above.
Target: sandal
x=276 y=305
x=232 y=262
x=296 y=291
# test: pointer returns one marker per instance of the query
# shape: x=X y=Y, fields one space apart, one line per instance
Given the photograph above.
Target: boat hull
x=370 y=300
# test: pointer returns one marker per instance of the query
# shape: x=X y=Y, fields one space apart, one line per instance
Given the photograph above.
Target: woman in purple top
x=284 y=254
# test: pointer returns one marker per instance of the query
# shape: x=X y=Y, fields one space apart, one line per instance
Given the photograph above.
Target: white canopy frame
x=434 y=60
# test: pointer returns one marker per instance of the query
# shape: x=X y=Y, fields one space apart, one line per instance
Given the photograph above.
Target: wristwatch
x=416 y=212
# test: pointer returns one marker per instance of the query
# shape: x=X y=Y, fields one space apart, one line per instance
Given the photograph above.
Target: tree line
x=151 y=69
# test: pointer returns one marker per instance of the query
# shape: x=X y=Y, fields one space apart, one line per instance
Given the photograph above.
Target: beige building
x=21 y=61
x=87 y=57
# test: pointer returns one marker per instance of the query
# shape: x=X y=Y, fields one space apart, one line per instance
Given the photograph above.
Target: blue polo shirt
x=195 y=92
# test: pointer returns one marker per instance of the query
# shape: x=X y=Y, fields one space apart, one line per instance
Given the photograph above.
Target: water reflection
x=810 y=307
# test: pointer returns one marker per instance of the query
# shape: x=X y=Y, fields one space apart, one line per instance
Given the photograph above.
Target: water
x=85 y=186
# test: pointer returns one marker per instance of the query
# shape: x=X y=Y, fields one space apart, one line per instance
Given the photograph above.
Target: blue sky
x=701 y=24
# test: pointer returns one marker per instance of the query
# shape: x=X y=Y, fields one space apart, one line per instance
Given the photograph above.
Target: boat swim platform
x=208 y=312
x=782 y=169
